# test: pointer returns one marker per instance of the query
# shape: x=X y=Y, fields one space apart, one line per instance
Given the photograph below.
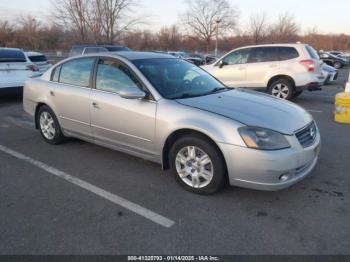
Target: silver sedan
x=169 y=111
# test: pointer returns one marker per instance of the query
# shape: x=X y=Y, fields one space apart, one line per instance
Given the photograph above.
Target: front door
x=232 y=69
x=125 y=123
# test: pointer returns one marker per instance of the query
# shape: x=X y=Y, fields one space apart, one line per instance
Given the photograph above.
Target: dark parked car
x=193 y=58
x=335 y=61
x=89 y=49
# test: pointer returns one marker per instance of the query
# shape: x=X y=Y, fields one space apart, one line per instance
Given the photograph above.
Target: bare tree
x=97 y=20
x=116 y=17
x=204 y=16
x=6 y=32
x=29 y=31
x=258 y=26
x=285 y=30
x=73 y=13
x=169 y=38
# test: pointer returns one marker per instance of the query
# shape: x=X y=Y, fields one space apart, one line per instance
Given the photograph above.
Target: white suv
x=15 y=68
x=284 y=70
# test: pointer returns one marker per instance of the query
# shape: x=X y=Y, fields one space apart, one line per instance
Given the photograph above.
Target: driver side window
x=237 y=57
x=112 y=76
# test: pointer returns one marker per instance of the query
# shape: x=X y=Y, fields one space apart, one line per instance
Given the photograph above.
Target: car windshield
x=176 y=79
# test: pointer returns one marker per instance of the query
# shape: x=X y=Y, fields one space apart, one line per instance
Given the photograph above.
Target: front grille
x=307 y=135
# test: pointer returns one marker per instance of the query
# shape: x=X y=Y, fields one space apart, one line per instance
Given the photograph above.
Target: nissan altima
x=171 y=112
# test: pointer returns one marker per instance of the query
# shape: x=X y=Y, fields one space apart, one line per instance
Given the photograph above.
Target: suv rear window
x=38 y=58
x=287 y=53
x=12 y=56
x=312 y=52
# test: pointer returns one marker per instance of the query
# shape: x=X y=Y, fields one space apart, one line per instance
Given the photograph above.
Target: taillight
x=309 y=64
x=33 y=68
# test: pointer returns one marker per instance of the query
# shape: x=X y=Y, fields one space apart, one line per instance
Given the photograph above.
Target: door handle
x=241 y=68
x=272 y=66
x=52 y=93
x=95 y=105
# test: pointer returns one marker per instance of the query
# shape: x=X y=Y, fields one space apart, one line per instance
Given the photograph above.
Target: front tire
x=49 y=127
x=197 y=165
x=281 y=88
x=337 y=65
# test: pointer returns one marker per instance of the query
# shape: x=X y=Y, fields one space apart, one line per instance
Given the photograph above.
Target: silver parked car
x=169 y=111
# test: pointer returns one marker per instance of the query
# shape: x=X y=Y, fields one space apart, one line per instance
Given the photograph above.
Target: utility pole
x=218 y=21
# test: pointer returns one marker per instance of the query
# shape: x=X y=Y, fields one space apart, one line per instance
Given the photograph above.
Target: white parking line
x=150 y=215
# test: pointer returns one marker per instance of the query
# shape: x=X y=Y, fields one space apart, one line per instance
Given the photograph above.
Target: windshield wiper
x=214 y=91
x=217 y=90
x=186 y=95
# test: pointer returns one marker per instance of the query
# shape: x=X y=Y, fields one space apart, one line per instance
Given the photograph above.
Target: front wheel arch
x=172 y=138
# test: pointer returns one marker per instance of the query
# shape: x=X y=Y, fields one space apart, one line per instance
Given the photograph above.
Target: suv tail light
x=33 y=68
x=309 y=64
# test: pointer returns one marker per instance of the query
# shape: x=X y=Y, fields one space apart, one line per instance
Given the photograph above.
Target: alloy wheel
x=194 y=167
x=280 y=90
x=47 y=125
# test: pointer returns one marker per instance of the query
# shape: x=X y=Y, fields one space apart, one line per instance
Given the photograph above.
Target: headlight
x=263 y=139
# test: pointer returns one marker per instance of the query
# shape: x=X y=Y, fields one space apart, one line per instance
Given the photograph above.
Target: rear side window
x=287 y=53
x=8 y=56
x=38 y=58
x=263 y=54
x=312 y=52
x=77 y=72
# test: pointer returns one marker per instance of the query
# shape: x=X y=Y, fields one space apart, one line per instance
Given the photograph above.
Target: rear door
x=232 y=69
x=69 y=93
x=262 y=63
x=13 y=68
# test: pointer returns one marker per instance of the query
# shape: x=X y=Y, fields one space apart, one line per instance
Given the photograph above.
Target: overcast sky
x=328 y=16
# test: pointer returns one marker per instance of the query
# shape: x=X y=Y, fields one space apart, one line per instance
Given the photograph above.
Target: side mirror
x=132 y=93
x=221 y=64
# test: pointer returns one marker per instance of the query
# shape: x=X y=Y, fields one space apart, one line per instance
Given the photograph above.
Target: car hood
x=253 y=109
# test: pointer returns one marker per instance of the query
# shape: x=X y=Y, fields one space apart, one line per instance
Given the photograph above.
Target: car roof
x=132 y=55
x=30 y=53
x=12 y=49
x=92 y=45
x=281 y=44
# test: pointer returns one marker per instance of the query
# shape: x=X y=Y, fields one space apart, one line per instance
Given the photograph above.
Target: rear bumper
x=313 y=86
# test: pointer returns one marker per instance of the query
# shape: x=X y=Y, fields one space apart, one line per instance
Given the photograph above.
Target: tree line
x=113 y=22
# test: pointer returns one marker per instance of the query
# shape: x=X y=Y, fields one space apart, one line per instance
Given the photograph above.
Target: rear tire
x=282 y=88
x=197 y=165
x=49 y=126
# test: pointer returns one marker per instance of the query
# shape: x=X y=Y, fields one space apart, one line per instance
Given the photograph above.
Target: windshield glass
x=175 y=78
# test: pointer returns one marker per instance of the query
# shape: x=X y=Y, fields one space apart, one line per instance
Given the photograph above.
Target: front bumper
x=263 y=170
